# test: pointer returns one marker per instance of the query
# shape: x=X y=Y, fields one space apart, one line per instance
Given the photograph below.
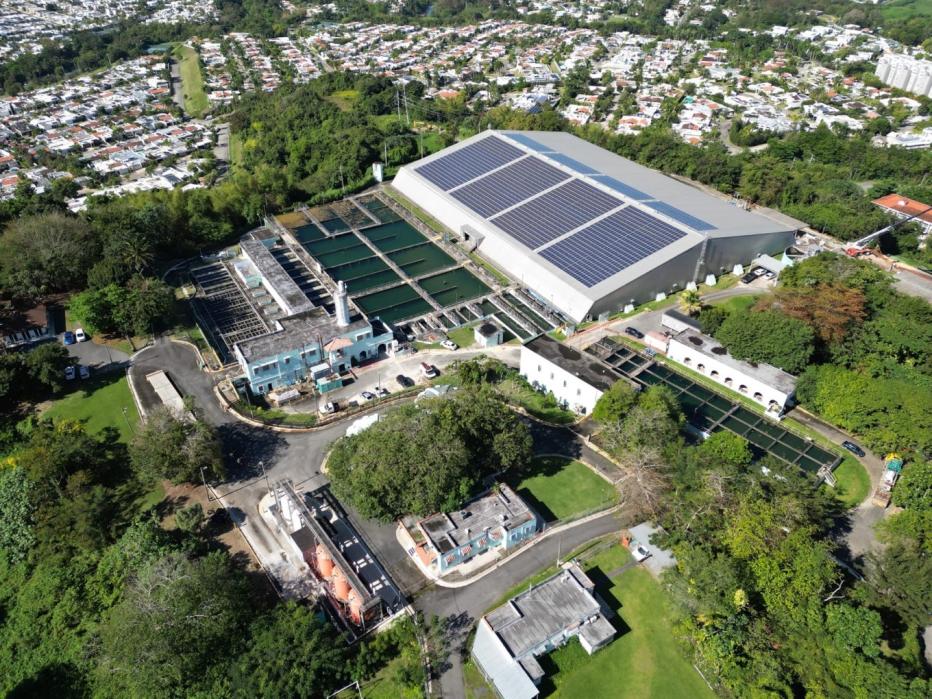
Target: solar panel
x=572 y=163
x=559 y=211
x=506 y=187
x=530 y=142
x=469 y=162
x=608 y=246
x=622 y=188
x=680 y=215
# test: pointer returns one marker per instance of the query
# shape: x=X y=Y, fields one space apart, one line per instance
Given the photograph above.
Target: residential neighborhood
x=457 y=350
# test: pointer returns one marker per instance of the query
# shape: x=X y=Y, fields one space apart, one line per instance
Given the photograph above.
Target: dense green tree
x=768 y=336
x=17 y=512
x=175 y=629
x=428 y=457
x=173 y=447
x=293 y=653
x=711 y=319
x=46 y=364
x=190 y=518
x=45 y=253
x=615 y=403
x=726 y=450
x=854 y=628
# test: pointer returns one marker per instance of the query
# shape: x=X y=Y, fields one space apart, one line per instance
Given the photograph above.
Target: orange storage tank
x=341 y=588
x=355 y=607
x=324 y=562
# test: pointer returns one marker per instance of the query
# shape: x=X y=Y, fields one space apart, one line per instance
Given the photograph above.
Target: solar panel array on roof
x=469 y=162
x=622 y=188
x=509 y=186
x=573 y=164
x=530 y=143
x=680 y=215
x=554 y=213
x=608 y=246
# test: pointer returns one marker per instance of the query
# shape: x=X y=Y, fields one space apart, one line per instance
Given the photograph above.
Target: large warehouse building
x=586 y=230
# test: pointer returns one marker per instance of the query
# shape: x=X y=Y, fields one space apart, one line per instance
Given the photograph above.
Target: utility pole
x=398 y=104
x=404 y=91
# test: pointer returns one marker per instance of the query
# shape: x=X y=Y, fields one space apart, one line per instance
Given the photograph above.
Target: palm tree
x=691 y=302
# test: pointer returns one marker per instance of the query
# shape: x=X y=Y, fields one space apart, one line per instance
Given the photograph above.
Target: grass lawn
x=192 y=82
x=643 y=661
x=236 y=150
x=561 y=488
x=854 y=483
x=344 y=99
x=737 y=304
x=462 y=336
x=904 y=9
x=541 y=405
x=100 y=401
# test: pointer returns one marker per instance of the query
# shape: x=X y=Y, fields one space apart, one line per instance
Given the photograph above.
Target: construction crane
x=859 y=247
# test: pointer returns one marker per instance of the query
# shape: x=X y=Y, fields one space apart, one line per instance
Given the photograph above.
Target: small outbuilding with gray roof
x=509 y=639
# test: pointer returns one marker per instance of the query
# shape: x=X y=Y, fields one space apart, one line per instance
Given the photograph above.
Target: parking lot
x=383 y=373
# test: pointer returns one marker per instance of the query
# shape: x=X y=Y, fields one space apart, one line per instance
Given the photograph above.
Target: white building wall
x=727 y=375
x=578 y=395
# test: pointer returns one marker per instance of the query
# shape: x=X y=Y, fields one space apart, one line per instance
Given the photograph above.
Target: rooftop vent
x=719 y=350
x=695 y=340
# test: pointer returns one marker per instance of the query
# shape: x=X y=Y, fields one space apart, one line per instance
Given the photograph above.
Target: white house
x=577 y=380
x=771 y=387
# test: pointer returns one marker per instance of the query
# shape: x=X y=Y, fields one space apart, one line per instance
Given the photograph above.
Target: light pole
x=128 y=424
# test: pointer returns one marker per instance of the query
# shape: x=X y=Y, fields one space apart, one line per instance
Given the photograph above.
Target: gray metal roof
x=502 y=670
x=543 y=612
x=729 y=220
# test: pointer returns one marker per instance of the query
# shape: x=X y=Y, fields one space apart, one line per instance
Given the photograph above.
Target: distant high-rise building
x=906 y=73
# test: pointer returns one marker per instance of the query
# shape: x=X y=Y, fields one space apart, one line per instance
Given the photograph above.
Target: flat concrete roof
x=710 y=347
x=504 y=508
x=537 y=615
x=297 y=332
x=584 y=366
x=276 y=276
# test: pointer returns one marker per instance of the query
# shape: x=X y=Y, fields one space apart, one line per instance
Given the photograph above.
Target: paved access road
x=460 y=608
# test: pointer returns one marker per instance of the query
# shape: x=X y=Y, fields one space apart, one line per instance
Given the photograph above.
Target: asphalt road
x=460 y=608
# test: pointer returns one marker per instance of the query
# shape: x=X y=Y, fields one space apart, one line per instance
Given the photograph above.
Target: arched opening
x=362 y=355
x=714 y=374
x=728 y=381
x=759 y=396
x=382 y=349
x=742 y=388
x=687 y=361
x=700 y=367
x=353 y=361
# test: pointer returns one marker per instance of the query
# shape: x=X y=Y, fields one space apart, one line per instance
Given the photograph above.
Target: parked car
x=367 y=396
x=450 y=345
x=429 y=371
x=634 y=332
x=84 y=372
x=382 y=392
x=404 y=381
x=69 y=373
x=853 y=448
x=639 y=552
x=68 y=338
x=80 y=335
x=328 y=408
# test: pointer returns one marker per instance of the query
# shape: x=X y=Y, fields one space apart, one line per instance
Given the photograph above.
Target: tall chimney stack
x=342 y=305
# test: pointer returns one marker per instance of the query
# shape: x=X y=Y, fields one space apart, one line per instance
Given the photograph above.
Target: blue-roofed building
x=587 y=231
